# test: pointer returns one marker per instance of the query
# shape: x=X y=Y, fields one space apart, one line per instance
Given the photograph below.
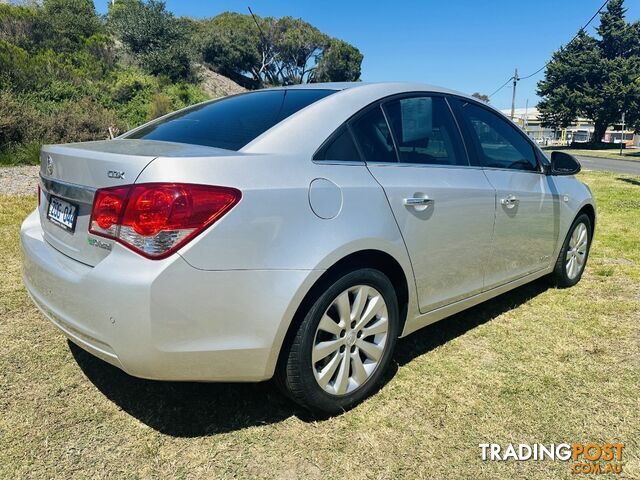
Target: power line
x=574 y=37
x=547 y=63
x=536 y=72
x=502 y=86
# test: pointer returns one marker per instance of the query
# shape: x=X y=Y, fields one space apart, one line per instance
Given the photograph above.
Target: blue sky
x=464 y=45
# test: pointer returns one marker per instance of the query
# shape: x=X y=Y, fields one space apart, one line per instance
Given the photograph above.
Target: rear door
x=526 y=213
x=444 y=207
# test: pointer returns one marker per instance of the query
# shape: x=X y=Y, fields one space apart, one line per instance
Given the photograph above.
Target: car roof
x=304 y=131
x=392 y=86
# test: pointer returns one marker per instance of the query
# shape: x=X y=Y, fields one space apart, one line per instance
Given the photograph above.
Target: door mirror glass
x=563 y=163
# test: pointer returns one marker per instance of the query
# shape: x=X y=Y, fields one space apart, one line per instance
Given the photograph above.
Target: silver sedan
x=297 y=233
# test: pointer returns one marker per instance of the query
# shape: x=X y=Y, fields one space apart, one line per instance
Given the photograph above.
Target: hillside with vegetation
x=68 y=74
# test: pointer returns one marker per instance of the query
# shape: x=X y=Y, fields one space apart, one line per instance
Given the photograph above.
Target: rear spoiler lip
x=139 y=148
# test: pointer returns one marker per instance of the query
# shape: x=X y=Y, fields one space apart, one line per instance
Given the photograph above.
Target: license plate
x=62 y=213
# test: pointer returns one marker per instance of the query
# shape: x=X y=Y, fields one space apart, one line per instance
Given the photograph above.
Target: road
x=606 y=164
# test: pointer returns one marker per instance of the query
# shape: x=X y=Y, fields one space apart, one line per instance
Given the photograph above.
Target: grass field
x=536 y=365
x=628 y=154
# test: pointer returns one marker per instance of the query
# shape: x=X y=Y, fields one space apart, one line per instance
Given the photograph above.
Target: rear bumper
x=164 y=319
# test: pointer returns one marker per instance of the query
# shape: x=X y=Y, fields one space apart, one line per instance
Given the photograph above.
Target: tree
x=18 y=25
x=340 y=62
x=231 y=43
x=66 y=24
x=256 y=51
x=298 y=45
x=155 y=38
x=597 y=78
x=480 y=96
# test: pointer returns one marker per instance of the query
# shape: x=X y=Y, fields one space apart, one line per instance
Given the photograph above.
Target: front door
x=444 y=207
x=526 y=225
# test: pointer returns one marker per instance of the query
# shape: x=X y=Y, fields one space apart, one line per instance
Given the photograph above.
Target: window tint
x=425 y=132
x=374 y=138
x=498 y=144
x=232 y=122
x=340 y=147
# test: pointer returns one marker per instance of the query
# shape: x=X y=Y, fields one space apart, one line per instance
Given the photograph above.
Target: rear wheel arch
x=376 y=259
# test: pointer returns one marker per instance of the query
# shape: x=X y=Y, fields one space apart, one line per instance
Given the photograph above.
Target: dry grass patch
x=534 y=365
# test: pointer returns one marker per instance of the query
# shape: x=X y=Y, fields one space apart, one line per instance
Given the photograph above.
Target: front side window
x=231 y=122
x=425 y=132
x=373 y=137
x=498 y=143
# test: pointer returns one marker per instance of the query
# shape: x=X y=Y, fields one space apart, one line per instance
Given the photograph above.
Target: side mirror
x=563 y=163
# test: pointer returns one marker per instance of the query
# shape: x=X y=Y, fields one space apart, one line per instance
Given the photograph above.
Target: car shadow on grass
x=439 y=333
x=187 y=409
x=632 y=181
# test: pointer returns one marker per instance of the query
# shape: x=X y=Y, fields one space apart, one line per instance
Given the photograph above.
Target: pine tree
x=595 y=78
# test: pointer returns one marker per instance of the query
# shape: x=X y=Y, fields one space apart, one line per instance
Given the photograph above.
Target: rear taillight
x=39 y=193
x=156 y=219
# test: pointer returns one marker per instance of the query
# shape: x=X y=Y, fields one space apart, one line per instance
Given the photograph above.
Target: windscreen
x=231 y=122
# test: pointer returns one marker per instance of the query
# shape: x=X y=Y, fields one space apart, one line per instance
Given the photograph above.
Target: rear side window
x=232 y=122
x=340 y=147
x=498 y=143
x=425 y=132
x=373 y=137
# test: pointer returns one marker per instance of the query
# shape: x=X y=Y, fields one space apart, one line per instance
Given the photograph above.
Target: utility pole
x=513 y=96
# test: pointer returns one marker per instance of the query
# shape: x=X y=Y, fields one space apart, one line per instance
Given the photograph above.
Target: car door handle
x=423 y=202
x=509 y=201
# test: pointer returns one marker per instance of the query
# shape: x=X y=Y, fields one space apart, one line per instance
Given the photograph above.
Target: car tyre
x=343 y=345
x=573 y=256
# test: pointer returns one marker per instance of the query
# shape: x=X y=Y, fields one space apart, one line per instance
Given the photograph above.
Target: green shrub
x=102 y=47
x=77 y=121
x=16 y=119
x=59 y=91
x=131 y=94
x=18 y=25
x=160 y=105
x=156 y=39
x=23 y=128
x=171 y=61
x=22 y=154
x=68 y=23
x=14 y=67
x=185 y=94
x=130 y=84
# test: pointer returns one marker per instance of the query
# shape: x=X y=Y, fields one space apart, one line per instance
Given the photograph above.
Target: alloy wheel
x=577 y=251
x=350 y=340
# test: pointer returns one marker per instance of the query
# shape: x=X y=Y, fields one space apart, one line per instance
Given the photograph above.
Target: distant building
x=580 y=131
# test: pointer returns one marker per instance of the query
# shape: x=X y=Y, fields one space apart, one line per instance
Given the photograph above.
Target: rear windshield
x=232 y=122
